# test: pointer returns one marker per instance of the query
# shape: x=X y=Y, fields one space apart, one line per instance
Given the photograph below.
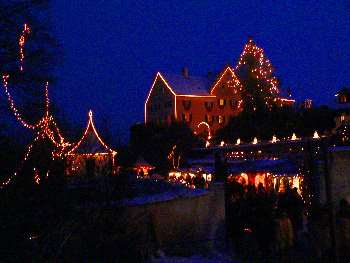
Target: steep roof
x=227 y=69
x=191 y=85
x=90 y=142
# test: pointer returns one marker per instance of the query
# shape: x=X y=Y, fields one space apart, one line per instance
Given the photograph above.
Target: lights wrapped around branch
x=46 y=126
x=21 y=42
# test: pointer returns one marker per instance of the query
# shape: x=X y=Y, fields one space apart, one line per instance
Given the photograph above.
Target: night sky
x=114 y=48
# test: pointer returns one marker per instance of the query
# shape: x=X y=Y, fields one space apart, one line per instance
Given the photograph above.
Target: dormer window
x=186 y=104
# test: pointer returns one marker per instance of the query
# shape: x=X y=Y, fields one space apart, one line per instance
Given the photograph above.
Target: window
x=234 y=103
x=221 y=119
x=209 y=119
x=343 y=99
x=208 y=105
x=168 y=104
x=221 y=103
x=186 y=117
x=342 y=117
x=186 y=104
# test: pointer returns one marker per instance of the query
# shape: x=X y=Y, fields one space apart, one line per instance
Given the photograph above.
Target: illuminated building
x=90 y=156
x=195 y=100
x=213 y=101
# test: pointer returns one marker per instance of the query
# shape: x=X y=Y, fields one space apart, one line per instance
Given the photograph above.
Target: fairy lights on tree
x=45 y=128
x=256 y=74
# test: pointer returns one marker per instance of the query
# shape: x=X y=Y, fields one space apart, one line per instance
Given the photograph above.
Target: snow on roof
x=90 y=142
x=191 y=85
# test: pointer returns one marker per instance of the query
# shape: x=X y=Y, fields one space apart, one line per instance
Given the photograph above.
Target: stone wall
x=339 y=169
x=191 y=222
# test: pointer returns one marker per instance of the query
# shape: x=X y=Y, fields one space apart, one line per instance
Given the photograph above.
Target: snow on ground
x=161 y=197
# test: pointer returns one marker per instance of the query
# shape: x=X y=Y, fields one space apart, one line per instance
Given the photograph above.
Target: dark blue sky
x=114 y=48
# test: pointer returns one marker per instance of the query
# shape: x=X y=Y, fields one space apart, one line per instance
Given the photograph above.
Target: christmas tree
x=261 y=87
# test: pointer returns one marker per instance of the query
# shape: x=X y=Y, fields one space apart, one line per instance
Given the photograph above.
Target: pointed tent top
x=91 y=142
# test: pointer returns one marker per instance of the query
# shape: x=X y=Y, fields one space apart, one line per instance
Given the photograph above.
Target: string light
x=90 y=127
x=262 y=70
x=233 y=83
x=46 y=126
x=21 y=42
x=208 y=127
x=12 y=104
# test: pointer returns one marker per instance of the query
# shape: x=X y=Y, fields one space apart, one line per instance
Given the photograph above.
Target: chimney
x=185 y=72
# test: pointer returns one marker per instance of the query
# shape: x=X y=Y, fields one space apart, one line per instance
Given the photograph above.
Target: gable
x=159 y=86
x=226 y=83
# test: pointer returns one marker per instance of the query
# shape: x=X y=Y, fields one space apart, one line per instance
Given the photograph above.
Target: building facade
x=204 y=103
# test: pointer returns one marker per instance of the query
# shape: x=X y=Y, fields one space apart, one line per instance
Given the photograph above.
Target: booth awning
x=283 y=166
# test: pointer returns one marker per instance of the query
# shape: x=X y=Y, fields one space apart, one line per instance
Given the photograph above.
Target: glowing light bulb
x=274 y=139
x=316 y=136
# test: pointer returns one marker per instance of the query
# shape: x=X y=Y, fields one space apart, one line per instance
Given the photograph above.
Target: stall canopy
x=282 y=166
x=91 y=142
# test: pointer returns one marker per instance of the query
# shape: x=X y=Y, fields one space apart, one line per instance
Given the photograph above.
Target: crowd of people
x=262 y=222
x=269 y=226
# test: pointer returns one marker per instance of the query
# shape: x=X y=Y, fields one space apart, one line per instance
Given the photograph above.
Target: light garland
x=44 y=126
x=21 y=42
x=91 y=126
x=13 y=106
x=234 y=83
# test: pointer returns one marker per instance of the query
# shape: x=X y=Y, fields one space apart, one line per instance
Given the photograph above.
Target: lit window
x=221 y=119
x=221 y=102
x=342 y=117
